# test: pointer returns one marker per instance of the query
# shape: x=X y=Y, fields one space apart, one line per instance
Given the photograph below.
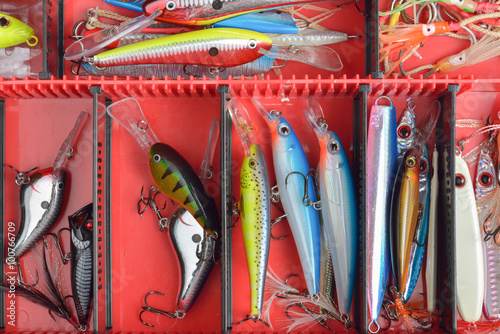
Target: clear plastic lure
x=221 y=47
x=310 y=37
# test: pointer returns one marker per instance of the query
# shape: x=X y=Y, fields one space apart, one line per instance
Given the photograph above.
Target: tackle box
x=131 y=255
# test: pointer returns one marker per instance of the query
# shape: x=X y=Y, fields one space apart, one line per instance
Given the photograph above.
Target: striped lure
x=220 y=47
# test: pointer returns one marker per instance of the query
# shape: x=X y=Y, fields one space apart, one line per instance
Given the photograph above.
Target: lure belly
x=255 y=209
x=339 y=215
x=309 y=37
x=405 y=215
x=14 y=32
x=289 y=162
x=175 y=178
x=418 y=247
x=381 y=167
x=468 y=246
x=193 y=245
x=326 y=279
x=258 y=66
x=220 y=47
x=42 y=198
x=204 y=12
x=81 y=225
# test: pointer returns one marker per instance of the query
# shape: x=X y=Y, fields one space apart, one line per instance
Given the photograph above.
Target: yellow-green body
x=14 y=32
x=255 y=209
x=175 y=178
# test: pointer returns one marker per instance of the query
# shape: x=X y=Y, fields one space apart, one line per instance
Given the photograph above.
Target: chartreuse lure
x=171 y=173
x=14 y=32
x=254 y=206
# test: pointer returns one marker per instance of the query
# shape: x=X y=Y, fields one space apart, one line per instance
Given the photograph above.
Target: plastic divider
x=2 y=207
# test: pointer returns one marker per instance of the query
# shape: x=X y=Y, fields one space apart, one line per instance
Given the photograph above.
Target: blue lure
x=135 y=5
x=271 y=21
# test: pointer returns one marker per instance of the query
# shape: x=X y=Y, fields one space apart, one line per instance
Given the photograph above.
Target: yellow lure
x=14 y=32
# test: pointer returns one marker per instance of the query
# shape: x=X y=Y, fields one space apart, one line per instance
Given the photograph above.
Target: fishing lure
x=134 y=5
x=14 y=32
x=43 y=194
x=269 y=21
x=190 y=12
x=486 y=48
x=297 y=194
x=220 y=47
x=81 y=226
x=468 y=246
x=261 y=65
x=381 y=167
x=338 y=205
x=418 y=247
x=406 y=129
x=254 y=207
x=171 y=173
x=488 y=212
x=310 y=37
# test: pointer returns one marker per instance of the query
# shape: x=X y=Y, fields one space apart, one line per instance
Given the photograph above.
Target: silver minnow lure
x=406 y=129
x=309 y=37
x=259 y=66
x=193 y=246
x=381 y=168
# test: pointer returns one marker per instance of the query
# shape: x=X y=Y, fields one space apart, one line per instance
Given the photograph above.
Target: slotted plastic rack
x=131 y=255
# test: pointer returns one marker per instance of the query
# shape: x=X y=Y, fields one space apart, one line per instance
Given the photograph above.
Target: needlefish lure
x=43 y=193
x=204 y=12
x=14 y=32
x=338 y=206
x=220 y=47
x=254 y=207
x=297 y=193
x=261 y=65
x=81 y=226
x=487 y=193
x=171 y=173
x=381 y=167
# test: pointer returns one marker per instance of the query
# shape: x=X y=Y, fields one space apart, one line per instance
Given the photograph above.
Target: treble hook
x=254 y=317
x=306 y=201
x=57 y=239
x=321 y=321
x=488 y=234
x=21 y=280
x=275 y=195
x=147 y=308
x=21 y=176
x=276 y=221
x=234 y=211
x=150 y=201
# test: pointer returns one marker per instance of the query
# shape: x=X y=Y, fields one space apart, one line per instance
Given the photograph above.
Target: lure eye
x=171 y=5
x=252 y=44
x=284 y=130
x=60 y=186
x=252 y=163
x=404 y=131
x=485 y=179
x=156 y=158
x=89 y=224
x=4 y=22
x=423 y=166
x=333 y=146
x=411 y=161
x=459 y=180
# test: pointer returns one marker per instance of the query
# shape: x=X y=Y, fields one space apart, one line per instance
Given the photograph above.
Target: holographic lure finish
x=42 y=198
x=326 y=279
x=204 y=12
x=381 y=167
x=419 y=243
x=406 y=130
x=81 y=224
x=258 y=66
x=220 y=47
x=309 y=37
x=255 y=210
x=291 y=167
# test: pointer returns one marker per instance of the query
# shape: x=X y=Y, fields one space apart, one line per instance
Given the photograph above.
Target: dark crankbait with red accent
x=81 y=226
x=43 y=194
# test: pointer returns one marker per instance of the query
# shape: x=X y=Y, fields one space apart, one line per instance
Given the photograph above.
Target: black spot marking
x=196 y=238
x=213 y=51
x=45 y=205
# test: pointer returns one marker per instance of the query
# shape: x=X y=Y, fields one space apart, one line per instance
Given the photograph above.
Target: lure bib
x=42 y=199
x=219 y=47
x=204 y=12
x=175 y=178
x=255 y=208
x=14 y=32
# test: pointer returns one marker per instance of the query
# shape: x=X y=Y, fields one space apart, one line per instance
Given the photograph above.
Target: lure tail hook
x=320 y=321
x=21 y=280
x=57 y=239
x=255 y=318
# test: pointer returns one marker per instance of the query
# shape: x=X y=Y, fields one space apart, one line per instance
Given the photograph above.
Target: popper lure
x=171 y=173
x=297 y=193
x=254 y=207
x=14 y=32
x=338 y=206
x=43 y=194
x=204 y=12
